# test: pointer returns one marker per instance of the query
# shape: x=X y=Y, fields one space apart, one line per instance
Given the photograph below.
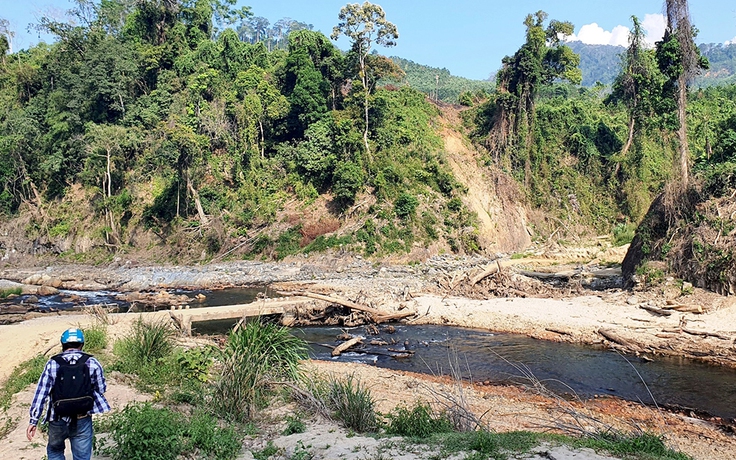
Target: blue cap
x=72 y=335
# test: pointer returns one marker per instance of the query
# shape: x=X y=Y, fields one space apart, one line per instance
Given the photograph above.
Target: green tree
x=634 y=86
x=264 y=102
x=680 y=61
x=541 y=60
x=365 y=25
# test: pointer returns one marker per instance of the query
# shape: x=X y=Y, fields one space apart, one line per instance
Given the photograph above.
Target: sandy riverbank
x=507 y=408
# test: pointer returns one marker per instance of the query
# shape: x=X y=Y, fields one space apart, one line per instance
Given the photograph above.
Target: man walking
x=74 y=384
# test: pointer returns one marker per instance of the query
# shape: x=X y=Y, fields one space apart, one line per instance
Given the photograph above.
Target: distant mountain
x=440 y=83
x=599 y=63
x=602 y=63
x=722 y=60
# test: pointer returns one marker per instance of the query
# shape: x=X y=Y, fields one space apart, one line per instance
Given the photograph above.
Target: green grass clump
x=645 y=446
x=352 y=403
x=5 y=293
x=95 y=338
x=623 y=234
x=143 y=432
x=418 y=422
x=24 y=374
x=255 y=356
x=149 y=342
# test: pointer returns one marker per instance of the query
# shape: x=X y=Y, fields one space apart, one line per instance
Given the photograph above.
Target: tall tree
x=541 y=60
x=680 y=60
x=365 y=25
x=638 y=84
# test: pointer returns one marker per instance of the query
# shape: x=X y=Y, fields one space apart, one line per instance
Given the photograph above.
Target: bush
x=95 y=337
x=142 y=432
x=353 y=404
x=405 y=205
x=418 y=422
x=255 y=356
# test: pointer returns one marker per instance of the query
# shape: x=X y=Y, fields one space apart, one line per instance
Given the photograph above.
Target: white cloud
x=731 y=42
x=654 y=25
x=593 y=34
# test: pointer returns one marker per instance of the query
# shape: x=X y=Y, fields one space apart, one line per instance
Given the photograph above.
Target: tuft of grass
x=24 y=374
x=418 y=422
x=345 y=399
x=294 y=425
x=5 y=293
x=255 y=357
x=640 y=445
x=623 y=234
x=148 y=342
x=352 y=403
x=95 y=338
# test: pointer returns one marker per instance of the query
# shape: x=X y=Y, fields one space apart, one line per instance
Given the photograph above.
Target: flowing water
x=500 y=358
x=564 y=368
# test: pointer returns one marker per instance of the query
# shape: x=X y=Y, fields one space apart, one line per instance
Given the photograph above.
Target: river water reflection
x=565 y=368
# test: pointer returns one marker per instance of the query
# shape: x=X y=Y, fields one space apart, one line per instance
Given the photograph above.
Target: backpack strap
x=62 y=362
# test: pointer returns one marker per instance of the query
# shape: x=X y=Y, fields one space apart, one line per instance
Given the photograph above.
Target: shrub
x=419 y=422
x=95 y=337
x=405 y=205
x=206 y=436
x=352 y=403
x=255 y=356
x=142 y=432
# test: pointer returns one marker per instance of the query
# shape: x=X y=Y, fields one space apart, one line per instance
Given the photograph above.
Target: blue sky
x=467 y=37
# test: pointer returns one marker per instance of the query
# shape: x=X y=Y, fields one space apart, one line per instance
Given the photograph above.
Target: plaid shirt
x=46 y=383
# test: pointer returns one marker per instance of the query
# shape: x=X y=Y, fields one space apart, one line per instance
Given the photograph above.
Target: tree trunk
x=200 y=211
x=263 y=138
x=364 y=78
x=682 y=132
x=109 y=175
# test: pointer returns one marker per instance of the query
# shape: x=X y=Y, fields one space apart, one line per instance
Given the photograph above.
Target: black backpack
x=72 y=393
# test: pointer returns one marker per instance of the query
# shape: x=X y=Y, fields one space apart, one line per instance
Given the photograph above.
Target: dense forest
x=201 y=130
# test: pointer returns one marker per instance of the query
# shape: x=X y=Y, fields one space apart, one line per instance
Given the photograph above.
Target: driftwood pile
x=499 y=279
x=332 y=311
x=376 y=346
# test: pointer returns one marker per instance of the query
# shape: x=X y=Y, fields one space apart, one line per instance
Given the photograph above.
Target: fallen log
x=344 y=303
x=698 y=333
x=488 y=271
x=544 y=276
x=382 y=318
x=557 y=331
x=346 y=345
x=655 y=310
x=615 y=338
x=697 y=309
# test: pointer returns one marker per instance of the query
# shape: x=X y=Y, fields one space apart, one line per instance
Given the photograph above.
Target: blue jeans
x=80 y=436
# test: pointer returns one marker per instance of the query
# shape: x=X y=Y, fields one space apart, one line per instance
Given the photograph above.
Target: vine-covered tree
x=541 y=60
x=680 y=60
x=638 y=86
x=365 y=25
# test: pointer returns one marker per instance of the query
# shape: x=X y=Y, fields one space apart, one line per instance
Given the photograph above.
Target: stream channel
x=484 y=356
